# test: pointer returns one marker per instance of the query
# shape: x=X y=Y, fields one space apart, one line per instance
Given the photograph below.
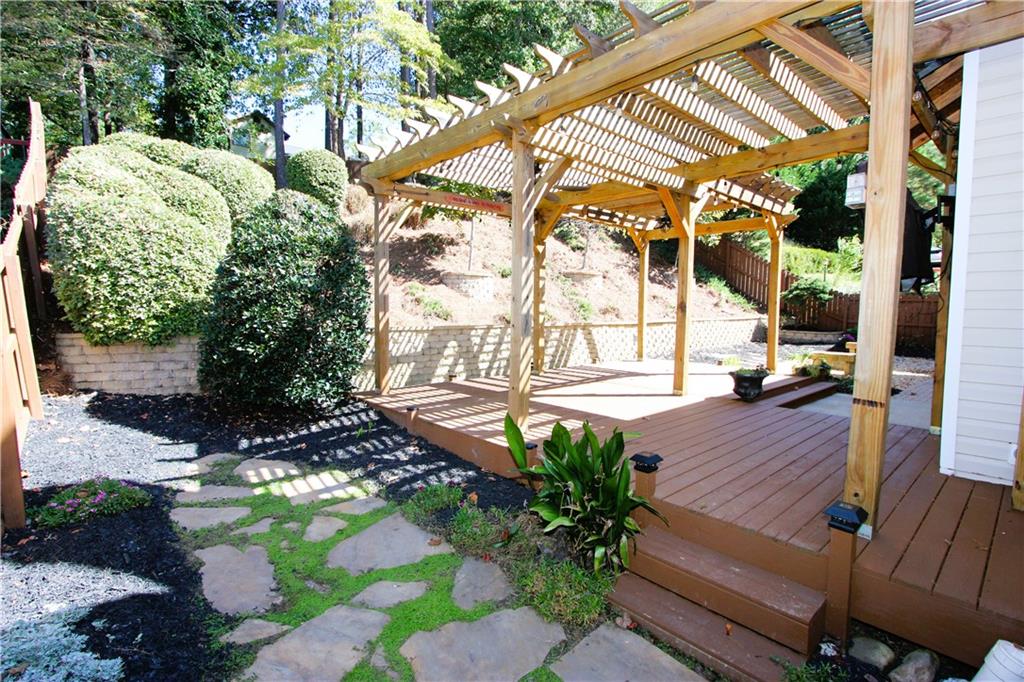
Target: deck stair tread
x=801 y=395
x=723 y=645
x=777 y=607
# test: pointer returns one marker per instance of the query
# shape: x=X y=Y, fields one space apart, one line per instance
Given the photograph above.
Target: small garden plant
x=98 y=497
x=585 y=487
x=758 y=371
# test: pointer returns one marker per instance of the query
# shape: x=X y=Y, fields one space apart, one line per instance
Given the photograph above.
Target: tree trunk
x=359 y=112
x=330 y=119
x=279 y=176
x=83 y=105
x=428 y=21
x=328 y=130
x=87 y=82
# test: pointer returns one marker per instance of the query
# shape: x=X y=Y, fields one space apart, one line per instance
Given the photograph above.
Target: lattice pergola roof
x=755 y=88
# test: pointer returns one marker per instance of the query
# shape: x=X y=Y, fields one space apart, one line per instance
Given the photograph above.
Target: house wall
x=985 y=360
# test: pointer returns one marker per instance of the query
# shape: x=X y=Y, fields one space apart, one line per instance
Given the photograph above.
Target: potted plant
x=747 y=382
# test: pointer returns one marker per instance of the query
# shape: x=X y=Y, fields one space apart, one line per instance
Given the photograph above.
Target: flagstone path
x=394 y=574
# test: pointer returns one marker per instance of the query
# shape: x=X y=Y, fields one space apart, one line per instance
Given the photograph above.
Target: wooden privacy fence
x=747 y=273
x=21 y=398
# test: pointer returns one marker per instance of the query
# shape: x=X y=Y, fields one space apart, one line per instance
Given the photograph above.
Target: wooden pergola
x=683 y=112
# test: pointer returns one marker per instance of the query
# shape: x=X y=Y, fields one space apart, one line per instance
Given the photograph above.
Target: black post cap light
x=531 y=446
x=646 y=462
x=845 y=516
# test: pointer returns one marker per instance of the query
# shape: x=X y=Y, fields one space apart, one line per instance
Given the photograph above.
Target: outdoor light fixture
x=845 y=516
x=693 y=82
x=646 y=462
x=856 y=190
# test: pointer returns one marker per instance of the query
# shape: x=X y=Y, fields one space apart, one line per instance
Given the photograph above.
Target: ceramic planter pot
x=747 y=386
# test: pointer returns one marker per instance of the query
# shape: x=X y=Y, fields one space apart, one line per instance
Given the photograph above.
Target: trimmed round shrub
x=166 y=152
x=127 y=267
x=320 y=174
x=181 y=191
x=287 y=326
x=242 y=183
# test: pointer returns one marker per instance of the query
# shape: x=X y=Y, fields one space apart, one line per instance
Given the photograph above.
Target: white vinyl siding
x=985 y=354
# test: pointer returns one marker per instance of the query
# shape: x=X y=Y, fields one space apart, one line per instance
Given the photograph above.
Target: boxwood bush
x=166 y=152
x=288 y=322
x=242 y=183
x=127 y=266
x=320 y=174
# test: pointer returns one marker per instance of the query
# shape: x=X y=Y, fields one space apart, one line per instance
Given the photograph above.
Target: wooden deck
x=751 y=480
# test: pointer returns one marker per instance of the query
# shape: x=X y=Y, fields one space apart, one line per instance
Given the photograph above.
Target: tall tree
x=279 y=176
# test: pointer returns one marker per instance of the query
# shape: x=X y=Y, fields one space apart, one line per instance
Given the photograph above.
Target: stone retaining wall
x=131 y=368
x=418 y=356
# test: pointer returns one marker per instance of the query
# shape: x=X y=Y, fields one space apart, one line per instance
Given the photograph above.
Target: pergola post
x=540 y=251
x=388 y=216
x=942 y=318
x=523 y=180
x=643 y=252
x=683 y=212
x=774 y=292
x=888 y=140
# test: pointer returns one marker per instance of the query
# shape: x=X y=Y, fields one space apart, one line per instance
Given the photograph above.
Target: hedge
x=166 y=152
x=243 y=184
x=287 y=326
x=320 y=174
x=181 y=191
x=127 y=267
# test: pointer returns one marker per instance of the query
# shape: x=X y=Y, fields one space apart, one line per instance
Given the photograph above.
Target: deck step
x=726 y=647
x=808 y=393
x=772 y=605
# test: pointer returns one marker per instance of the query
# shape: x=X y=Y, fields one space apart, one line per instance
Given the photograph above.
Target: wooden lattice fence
x=20 y=389
x=747 y=273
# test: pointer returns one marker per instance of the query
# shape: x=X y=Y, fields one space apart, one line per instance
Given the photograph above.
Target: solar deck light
x=846 y=517
x=646 y=462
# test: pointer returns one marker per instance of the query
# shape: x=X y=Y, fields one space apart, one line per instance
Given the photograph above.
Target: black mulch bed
x=158 y=636
x=165 y=636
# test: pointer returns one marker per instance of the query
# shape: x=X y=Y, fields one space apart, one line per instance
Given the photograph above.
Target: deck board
x=757 y=475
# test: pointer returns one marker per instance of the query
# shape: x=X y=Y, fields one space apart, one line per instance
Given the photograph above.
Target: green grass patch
x=719 y=286
x=542 y=674
x=432 y=307
x=421 y=507
x=562 y=591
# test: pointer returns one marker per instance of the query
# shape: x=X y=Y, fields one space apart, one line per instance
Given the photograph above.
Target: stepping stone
x=611 y=654
x=362 y=505
x=293 y=526
x=194 y=518
x=390 y=542
x=323 y=527
x=238 y=582
x=261 y=526
x=209 y=493
x=872 y=652
x=479 y=581
x=325 y=485
x=253 y=630
x=385 y=594
x=204 y=465
x=261 y=470
x=480 y=651
x=327 y=647
x=379 y=662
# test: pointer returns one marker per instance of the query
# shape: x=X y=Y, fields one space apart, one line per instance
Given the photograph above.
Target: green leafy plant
x=49 y=649
x=570 y=233
x=287 y=326
x=505 y=271
x=585 y=487
x=432 y=307
x=98 y=497
x=133 y=245
x=319 y=173
x=166 y=152
x=758 y=371
x=813 y=672
x=243 y=184
x=426 y=502
x=806 y=290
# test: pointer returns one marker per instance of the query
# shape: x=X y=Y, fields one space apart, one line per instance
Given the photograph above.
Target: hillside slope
x=420 y=253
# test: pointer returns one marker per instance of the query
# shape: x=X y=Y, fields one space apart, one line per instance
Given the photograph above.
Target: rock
x=261 y=470
x=317 y=587
x=503 y=646
x=293 y=526
x=390 y=542
x=253 y=630
x=479 y=581
x=261 y=526
x=204 y=465
x=327 y=647
x=612 y=654
x=358 y=506
x=919 y=665
x=385 y=594
x=872 y=652
x=194 y=518
x=323 y=527
x=238 y=582
x=378 y=661
x=209 y=493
